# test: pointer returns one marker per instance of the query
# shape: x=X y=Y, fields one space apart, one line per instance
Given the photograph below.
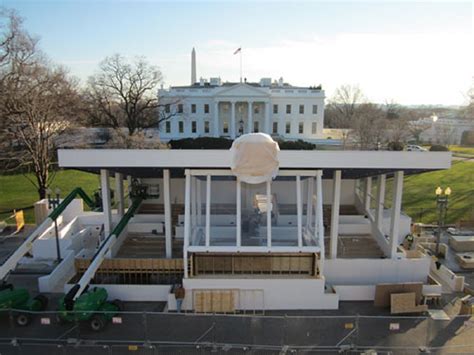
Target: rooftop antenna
x=239 y=50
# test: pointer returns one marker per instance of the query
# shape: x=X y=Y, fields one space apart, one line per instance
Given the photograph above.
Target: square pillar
x=367 y=193
x=379 y=208
x=250 y=117
x=119 y=194
x=299 y=211
x=336 y=201
x=167 y=208
x=238 y=221
x=208 y=210
x=267 y=118
x=187 y=220
x=396 y=209
x=129 y=183
x=309 y=202
x=106 y=205
x=269 y=214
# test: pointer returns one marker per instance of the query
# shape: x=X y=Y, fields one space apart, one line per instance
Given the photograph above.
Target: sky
x=407 y=52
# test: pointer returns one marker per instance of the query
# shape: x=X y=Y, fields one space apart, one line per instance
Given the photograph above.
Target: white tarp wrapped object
x=255 y=158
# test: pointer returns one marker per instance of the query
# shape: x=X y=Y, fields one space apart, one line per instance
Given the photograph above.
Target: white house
x=224 y=109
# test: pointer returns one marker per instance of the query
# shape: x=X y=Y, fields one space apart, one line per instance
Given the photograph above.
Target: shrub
x=438 y=148
x=397 y=146
x=201 y=143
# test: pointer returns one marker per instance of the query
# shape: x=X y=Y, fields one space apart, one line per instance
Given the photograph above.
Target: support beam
x=106 y=205
x=167 y=203
x=193 y=202
x=119 y=193
x=396 y=209
x=129 y=189
x=309 y=202
x=208 y=210
x=320 y=220
x=380 y=201
x=199 y=202
x=250 y=117
x=238 y=221
x=269 y=213
x=367 y=193
x=187 y=221
x=216 y=119
x=232 y=119
x=299 y=211
x=267 y=117
x=336 y=201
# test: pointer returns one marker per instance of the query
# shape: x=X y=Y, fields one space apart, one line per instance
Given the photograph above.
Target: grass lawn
x=17 y=192
x=419 y=199
x=462 y=150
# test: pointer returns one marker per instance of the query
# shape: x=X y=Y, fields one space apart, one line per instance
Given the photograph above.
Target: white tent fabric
x=255 y=158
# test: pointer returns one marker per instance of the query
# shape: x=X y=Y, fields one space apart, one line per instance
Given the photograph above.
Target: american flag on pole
x=238 y=50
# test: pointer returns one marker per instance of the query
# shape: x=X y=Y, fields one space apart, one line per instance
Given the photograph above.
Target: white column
x=309 y=203
x=396 y=208
x=238 y=207
x=216 y=119
x=193 y=202
x=119 y=193
x=380 y=201
x=187 y=220
x=336 y=201
x=250 y=117
x=106 y=208
x=232 y=120
x=267 y=118
x=129 y=182
x=299 y=211
x=199 y=202
x=320 y=221
x=208 y=210
x=367 y=193
x=269 y=214
x=167 y=207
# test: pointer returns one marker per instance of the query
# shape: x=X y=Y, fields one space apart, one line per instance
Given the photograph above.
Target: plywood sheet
x=383 y=292
x=405 y=303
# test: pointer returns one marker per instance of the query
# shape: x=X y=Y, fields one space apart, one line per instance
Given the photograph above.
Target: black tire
x=97 y=322
x=22 y=319
x=118 y=304
x=43 y=300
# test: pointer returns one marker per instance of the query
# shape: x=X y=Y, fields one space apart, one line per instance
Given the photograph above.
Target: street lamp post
x=442 y=198
x=53 y=202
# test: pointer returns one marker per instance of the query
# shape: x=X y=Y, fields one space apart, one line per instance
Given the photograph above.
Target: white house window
x=256 y=109
x=206 y=108
x=180 y=108
x=168 y=108
x=315 y=109
x=288 y=127
x=275 y=127
x=168 y=127
x=225 y=107
x=206 y=126
x=301 y=128
x=193 y=126
x=275 y=108
x=255 y=127
x=301 y=109
x=314 y=127
x=225 y=129
x=181 y=127
x=193 y=108
x=288 y=108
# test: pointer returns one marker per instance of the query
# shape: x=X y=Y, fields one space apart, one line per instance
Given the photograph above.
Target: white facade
x=216 y=109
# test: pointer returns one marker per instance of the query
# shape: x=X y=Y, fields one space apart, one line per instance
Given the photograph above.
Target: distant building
x=223 y=109
x=444 y=130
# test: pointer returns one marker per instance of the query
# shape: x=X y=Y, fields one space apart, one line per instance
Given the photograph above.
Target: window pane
x=193 y=108
x=315 y=109
x=288 y=128
x=275 y=108
x=193 y=126
x=225 y=129
x=288 y=108
x=206 y=127
x=300 y=128
x=168 y=127
x=301 y=109
x=206 y=108
x=275 y=127
x=181 y=126
x=255 y=127
x=314 y=127
x=167 y=108
x=180 y=108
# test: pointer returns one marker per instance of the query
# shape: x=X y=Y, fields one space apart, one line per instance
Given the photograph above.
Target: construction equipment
x=18 y=300
x=79 y=304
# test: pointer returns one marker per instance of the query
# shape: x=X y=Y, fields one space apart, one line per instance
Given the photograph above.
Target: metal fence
x=157 y=333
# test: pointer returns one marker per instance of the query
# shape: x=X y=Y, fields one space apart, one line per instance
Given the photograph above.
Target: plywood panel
x=383 y=292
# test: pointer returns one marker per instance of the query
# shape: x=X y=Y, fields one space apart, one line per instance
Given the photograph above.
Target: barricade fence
x=190 y=333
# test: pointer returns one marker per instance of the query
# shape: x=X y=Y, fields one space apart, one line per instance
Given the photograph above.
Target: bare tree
x=369 y=126
x=124 y=94
x=37 y=103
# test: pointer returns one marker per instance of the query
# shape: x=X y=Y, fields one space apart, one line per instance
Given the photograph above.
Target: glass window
x=301 y=109
x=255 y=127
x=194 y=126
x=315 y=109
x=275 y=127
x=288 y=108
x=225 y=129
x=288 y=128
x=181 y=127
x=206 y=108
x=206 y=126
x=168 y=108
x=180 y=108
x=168 y=127
x=256 y=109
x=301 y=128
x=314 y=127
x=193 y=108
x=275 y=108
